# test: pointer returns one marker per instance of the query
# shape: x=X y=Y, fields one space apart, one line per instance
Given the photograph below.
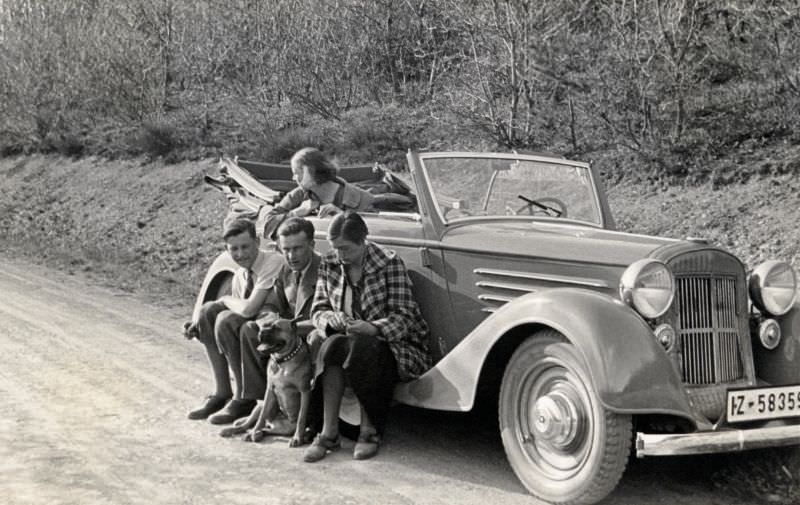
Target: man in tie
x=293 y=293
x=220 y=322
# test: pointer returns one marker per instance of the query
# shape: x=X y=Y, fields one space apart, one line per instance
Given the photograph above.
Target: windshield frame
x=596 y=191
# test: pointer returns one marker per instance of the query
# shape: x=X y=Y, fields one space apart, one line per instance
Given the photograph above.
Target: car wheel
x=563 y=445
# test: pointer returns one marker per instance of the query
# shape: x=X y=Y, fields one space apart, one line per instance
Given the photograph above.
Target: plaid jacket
x=386 y=302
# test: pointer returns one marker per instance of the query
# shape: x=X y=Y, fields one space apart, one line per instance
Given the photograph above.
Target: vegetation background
x=654 y=88
x=111 y=110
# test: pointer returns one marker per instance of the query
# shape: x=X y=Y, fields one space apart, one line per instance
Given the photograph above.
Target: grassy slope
x=148 y=228
x=152 y=229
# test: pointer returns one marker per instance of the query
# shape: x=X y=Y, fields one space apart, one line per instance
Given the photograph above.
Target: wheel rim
x=554 y=421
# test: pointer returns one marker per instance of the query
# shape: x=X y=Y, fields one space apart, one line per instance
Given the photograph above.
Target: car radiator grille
x=708 y=329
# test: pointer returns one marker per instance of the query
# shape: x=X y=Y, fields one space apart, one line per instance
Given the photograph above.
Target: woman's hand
x=328 y=209
x=338 y=321
x=362 y=329
x=307 y=207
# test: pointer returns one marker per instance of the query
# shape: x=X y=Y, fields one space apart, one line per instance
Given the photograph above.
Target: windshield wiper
x=546 y=208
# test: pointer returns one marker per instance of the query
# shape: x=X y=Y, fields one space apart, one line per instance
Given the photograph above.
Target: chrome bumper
x=715 y=441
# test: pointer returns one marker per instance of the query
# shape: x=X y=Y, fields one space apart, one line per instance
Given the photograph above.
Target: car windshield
x=466 y=187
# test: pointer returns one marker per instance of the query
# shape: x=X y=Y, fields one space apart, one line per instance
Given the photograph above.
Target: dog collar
x=291 y=354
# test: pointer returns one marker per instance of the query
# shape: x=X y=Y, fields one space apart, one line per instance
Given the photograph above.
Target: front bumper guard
x=715 y=441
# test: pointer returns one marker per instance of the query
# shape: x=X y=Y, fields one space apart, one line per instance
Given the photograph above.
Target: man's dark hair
x=238 y=226
x=295 y=225
x=348 y=225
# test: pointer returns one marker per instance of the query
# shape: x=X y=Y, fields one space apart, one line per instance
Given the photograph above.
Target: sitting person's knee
x=248 y=333
x=227 y=322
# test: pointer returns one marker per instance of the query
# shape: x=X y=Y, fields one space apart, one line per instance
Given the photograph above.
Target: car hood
x=553 y=240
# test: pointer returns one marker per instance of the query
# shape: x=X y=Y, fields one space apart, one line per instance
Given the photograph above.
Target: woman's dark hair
x=348 y=225
x=319 y=167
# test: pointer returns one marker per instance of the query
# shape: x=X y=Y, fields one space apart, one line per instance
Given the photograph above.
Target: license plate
x=763 y=403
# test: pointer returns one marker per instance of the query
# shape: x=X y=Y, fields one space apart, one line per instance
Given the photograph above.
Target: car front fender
x=781 y=365
x=222 y=267
x=630 y=371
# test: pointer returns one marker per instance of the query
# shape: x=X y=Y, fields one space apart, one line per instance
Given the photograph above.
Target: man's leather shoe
x=366 y=446
x=211 y=405
x=233 y=411
x=320 y=447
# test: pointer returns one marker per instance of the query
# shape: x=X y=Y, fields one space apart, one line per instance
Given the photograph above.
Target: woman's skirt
x=369 y=368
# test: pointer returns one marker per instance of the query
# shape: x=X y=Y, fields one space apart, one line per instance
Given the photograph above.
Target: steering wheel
x=548 y=205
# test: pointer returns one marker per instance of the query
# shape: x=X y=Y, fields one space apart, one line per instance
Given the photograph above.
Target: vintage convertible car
x=588 y=339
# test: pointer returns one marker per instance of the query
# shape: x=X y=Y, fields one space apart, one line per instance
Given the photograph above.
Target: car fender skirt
x=630 y=371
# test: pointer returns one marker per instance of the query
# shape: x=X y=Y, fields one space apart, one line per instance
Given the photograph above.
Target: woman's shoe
x=366 y=446
x=320 y=447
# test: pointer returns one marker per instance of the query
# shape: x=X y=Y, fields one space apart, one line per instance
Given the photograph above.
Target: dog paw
x=230 y=431
x=254 y=436
x=295 y=442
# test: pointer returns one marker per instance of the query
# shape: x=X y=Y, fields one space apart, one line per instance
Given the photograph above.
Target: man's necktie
x=248 y=288
x=294 y=289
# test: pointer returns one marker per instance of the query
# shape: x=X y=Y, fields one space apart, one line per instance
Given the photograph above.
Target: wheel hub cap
x=555 y=419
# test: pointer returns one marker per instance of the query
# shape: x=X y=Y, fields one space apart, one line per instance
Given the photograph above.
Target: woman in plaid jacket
x=369 y=332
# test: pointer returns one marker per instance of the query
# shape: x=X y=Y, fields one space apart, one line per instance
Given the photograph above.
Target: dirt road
x=95 y=384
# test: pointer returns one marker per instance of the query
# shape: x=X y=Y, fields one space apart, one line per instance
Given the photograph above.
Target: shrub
x=156 y=139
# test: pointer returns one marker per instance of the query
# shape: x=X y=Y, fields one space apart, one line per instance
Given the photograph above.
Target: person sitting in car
x=319 y=190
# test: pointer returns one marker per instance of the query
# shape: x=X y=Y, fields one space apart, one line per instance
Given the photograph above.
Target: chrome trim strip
x=399 y=241
x=502 y=156
x=503 y=285
x=410 y=216
x=490 y=310
x=580 y=281
x=495 y=298
x=716 y=441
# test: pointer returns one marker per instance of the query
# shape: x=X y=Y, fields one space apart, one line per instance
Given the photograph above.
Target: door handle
x=425 y=257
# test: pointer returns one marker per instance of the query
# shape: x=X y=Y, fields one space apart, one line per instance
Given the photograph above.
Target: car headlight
x=773 y=287
x=648 y=286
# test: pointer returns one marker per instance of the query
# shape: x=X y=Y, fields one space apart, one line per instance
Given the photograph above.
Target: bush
x=67 y=144
x=156 y=139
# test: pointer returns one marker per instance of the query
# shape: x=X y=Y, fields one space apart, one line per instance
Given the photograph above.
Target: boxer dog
x=289 y=375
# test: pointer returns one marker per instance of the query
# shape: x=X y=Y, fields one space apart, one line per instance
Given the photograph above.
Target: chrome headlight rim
x=760 y=289
x=632 y=280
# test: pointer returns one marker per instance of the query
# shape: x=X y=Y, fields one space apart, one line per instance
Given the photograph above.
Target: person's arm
x=321 y=309
x=401 y=308
x=291 y=205
x=323 y=315
x=246 y=307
